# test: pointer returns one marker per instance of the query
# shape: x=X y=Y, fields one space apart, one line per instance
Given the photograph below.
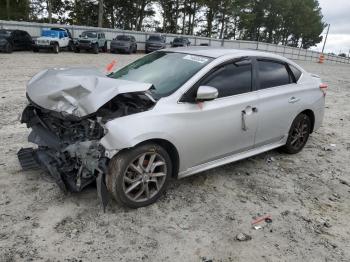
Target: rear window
x=273 y=74
x=296 y=72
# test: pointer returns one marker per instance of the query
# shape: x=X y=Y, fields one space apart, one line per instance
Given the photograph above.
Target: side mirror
x=206 y=93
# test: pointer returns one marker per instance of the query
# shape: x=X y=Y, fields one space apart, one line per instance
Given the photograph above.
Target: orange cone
x=321 y=59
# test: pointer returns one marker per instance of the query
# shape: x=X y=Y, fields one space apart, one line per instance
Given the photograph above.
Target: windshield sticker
x=197 y=59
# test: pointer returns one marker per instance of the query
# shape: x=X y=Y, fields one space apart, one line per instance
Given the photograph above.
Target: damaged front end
x=68 y=145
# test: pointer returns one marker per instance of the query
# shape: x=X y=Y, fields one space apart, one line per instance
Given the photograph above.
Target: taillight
x=323 y=88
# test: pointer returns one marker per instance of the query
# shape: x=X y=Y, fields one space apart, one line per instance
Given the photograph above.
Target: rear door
x=279 y=100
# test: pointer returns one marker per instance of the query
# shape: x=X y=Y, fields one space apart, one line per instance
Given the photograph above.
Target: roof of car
x=92 y=31
x=217 y=52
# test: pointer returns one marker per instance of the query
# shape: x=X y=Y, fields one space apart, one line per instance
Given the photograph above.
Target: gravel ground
x=200 y=217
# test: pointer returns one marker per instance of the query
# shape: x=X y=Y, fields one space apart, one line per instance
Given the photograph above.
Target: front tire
x=104 y=49
x=56 y=48
x=95 y=49
x=137 y=177
x=298 y=134
x=9 y=48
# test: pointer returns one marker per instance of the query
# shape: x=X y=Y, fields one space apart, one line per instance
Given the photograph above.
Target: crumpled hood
x=77 y=91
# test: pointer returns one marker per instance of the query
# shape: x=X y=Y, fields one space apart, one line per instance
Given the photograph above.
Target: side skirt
x=230 y=159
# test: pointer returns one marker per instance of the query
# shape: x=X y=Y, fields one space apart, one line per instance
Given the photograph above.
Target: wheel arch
x=171 y=150
x=311 y=115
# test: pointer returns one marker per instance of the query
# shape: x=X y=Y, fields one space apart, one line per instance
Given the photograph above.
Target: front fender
x=128 y=131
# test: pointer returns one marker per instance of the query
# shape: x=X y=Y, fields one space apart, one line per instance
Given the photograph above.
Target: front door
x=226 y=125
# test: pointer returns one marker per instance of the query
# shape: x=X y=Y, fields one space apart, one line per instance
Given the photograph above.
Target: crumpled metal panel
x=77 y=91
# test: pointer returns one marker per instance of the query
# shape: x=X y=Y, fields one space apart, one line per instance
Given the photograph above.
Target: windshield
x=167 y=71
x=89 y=34
x=50 y=33
x=154 y=38
x=123 y=38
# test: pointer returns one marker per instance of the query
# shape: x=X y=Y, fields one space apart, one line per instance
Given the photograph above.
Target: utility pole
x=324 y=44
x=8 y=9
x=100 y=13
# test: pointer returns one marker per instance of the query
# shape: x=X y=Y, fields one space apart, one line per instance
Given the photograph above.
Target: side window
x=296 y=72
x=273 y=74
x=231 y=79
x=15 y=35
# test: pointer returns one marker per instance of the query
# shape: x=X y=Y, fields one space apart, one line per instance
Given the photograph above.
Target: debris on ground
x=243 y=237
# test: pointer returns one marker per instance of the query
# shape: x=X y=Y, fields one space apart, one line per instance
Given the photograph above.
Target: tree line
x=297 y=23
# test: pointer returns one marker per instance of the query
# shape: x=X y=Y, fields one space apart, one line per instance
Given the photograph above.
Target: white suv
x=53 y=40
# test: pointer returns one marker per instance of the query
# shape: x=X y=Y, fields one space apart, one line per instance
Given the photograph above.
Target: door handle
x=293 y=100
x=246 y=112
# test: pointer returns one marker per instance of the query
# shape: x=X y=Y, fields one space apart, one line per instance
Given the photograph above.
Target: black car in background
x=11 y=40
x=180 y=42
x=154 y=43
x=124 y=43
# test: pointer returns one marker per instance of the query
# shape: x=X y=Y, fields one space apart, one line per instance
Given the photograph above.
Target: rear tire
x=137 y=177
x=71 y=46
x=76 y=50
x=298 y=134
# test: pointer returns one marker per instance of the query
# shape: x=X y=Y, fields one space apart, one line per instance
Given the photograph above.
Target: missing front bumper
x=34 y=159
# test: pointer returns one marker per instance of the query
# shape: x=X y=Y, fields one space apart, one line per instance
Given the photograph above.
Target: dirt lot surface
x=200 y=217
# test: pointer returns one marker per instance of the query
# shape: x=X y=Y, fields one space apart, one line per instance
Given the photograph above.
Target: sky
x=337 y=14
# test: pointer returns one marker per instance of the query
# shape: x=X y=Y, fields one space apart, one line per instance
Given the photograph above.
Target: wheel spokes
x=133 y=186
x=150 y=162
x=144 y=176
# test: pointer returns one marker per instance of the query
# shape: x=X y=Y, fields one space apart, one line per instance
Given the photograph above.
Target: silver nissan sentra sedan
x=172 y=113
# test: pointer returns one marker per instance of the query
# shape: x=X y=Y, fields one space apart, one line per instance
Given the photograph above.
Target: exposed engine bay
x=68 y=146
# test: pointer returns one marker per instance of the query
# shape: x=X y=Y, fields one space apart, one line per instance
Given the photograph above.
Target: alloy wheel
x=299 y=134
x=144 y=177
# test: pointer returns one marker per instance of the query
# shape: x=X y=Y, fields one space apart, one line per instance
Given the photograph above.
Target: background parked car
x=71 y=43
x=180 y=42
x=154 y=43
x=52 y=40
x=15 y=40
x=124 y=43
x=91 y=41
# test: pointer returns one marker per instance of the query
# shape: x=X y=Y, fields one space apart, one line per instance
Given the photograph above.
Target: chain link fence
x=34 y=29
